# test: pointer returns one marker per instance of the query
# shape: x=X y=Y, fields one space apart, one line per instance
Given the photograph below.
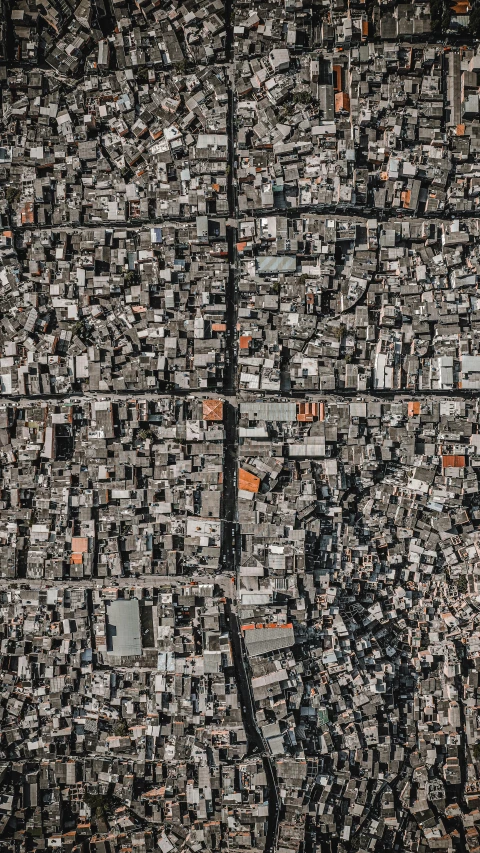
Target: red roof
x=212 y=410
x=248 y=482
x=453 y=461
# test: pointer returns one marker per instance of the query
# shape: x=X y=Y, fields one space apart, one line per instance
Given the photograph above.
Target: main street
x=231 y=543
x=374 y=394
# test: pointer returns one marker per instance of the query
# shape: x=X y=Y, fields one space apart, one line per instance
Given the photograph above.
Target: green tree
x=440 y=13
x=12 y=194
x=474 y=25
x=120 y=728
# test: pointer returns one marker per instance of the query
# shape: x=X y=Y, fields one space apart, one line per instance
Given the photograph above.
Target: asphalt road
x=224 y=581
x=229 y=529
x=256 y=743
x=370 y=394
x=231 y=551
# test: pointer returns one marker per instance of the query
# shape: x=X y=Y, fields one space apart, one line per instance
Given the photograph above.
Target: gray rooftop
x=269 y=411
x=276 y=264
x=123 y=628
x=261 y=641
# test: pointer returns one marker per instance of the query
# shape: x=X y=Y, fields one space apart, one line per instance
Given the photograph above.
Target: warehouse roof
x=260 y=641
x=269 y=411
x=276 y=264
x=123 y=627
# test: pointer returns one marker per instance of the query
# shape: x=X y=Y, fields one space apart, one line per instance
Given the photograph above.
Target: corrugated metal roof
x=260 y=641
x=276 y=264
x=312 y=446
x=123 y=627
x=453 y=461
x=269 y=411
x=471 y=363
x=212 y=140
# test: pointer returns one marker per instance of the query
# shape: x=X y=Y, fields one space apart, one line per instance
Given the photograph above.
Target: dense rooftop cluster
x=333 y=303
x=239 y=426
x=114 y=310
x=104 y=489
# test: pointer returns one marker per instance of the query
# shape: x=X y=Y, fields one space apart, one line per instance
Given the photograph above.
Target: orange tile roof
x=27 y=214
x=79 y=544
x=337 y=74
x=212 y=410
x=248 y=482
x=342 y=102
x=413 y=408
x=306 y=412
x=453 y=461
x=245 y=341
